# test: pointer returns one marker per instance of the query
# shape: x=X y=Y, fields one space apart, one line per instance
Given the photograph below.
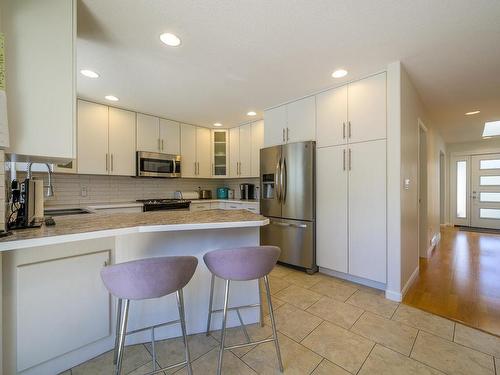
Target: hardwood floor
x=461 y=280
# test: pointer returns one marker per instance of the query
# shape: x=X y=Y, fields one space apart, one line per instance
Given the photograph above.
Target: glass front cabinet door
x=220 y=159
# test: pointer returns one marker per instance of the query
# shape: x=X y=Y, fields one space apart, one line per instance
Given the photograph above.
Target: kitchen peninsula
x=57 y=313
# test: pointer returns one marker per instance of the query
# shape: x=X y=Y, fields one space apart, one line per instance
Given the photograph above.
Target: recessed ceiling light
x=218 y=124
x=251 y=113
x=170 y=39
x=339 y=73
x=491 y=128
x=472 y=113
x=111 y=97
x=89 y=73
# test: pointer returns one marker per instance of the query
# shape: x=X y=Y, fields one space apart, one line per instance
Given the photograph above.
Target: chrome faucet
x=49 y=187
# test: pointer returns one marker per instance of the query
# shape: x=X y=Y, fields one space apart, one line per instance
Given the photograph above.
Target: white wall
x=412 y=110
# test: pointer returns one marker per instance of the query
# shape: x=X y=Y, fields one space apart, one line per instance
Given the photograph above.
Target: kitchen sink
x=66 y=211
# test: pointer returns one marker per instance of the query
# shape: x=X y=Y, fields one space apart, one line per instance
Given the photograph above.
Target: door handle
x=277 y=174
x=284 y=177
x=343 y=130
x=280 y=224
x=349 y=129
x=343 y=159
x=350 y=159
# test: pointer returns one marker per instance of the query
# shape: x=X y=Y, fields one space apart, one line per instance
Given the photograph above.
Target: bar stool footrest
x=166 y=368
x=249 y=344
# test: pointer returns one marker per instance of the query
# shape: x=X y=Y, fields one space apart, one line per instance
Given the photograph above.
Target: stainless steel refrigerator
x=287 y=177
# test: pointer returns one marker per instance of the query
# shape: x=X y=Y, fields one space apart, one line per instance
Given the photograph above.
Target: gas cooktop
x=164 y=204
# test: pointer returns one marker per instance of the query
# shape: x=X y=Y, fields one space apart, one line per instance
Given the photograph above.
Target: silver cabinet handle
x=343 y=159
x=198 y=168
x=159 y=145
x=350 y=159
x=283 y=135
x=112 y=164
x=195 y=168
x=343 y=130
x=287 y=135
x=349 y=129
x=162 y=145
x=107 y=163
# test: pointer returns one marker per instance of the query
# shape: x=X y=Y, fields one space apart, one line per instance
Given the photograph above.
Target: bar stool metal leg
x=182 y=317
x=273 y=323
x=121 y=338
x=209 y=320
x=223 y=328
x=261 y=307
x=117 y=330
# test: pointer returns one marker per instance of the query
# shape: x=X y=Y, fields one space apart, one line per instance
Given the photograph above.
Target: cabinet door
x=234 y=151
x=301 y=120
x=170 y=137
x=203 y=152
x=257 y=144
x=188 y=150
x=148 y=138
x=367 y=109
x=121 y=142
x=331 y=211
x=275 y=124
x=245 y=150
x=92 y=138
x=367 y=210
x=331 y=117
x=220 y=148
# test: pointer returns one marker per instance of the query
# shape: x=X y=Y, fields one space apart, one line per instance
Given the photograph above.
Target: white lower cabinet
x=351 y=209
x=229 y=205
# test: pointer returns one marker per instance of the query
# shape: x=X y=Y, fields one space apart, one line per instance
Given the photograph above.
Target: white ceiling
x=243 y=55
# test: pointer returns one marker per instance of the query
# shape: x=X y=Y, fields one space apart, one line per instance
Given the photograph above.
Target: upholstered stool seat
x=242 y=264
x=147 y=279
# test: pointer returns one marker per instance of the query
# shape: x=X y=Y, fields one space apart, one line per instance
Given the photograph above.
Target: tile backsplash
x=74 y=189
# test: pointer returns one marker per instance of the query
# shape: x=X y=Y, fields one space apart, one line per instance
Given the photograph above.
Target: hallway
x=461 y=280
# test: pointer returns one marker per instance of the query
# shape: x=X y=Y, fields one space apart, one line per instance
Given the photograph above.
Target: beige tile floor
x=328 y=326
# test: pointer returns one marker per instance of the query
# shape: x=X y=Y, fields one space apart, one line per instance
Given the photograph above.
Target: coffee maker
x=28 y=200
x=247 y=191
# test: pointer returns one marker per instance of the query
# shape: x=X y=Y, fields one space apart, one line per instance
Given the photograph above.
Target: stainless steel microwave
x=154 y=164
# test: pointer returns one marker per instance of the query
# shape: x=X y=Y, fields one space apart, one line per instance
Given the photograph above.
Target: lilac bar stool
x=242 y=264
x=147 y=279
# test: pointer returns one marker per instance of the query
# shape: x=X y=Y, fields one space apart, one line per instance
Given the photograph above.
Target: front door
x=485 y=191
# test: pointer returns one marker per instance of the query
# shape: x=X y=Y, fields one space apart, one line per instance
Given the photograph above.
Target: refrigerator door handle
x=298 y=225
x=284 y=182
x=280 y=224
x=277 y=173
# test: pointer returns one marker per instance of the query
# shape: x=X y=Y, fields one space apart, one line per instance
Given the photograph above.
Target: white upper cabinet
x=293 y=122
x=92 y=138
x=170 y=137
x=40 y=41
x=195 y=151
x=148 y=138
x=257 y=144
x=203 y=152
x=121 y=142
x=275 y=126
x=220 y=154
x=245 y=150
x=234 y=152
x=331 y=117
x=301 y=120
x=188 y=151
x=367 y=111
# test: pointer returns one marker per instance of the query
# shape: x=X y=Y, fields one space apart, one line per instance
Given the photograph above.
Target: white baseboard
x=398 y=296
x=354 y=279
x=393 y=296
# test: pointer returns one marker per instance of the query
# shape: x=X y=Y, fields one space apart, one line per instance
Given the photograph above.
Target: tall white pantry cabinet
x=351 y=179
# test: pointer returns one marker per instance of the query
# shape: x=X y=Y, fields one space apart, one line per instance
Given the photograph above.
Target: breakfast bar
x=56 y=311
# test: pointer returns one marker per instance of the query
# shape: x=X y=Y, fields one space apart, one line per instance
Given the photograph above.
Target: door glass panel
x=461 y=189
x=489 y=180
x=489 y=164
x=489 y=213
x=489 y=197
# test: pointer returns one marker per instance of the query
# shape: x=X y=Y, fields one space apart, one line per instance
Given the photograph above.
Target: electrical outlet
x=83 y=191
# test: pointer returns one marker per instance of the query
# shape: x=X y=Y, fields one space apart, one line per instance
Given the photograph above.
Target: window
x=489 y=213
x=461 y=189
x=489 y=197
x=489 y=180
x=489 y=164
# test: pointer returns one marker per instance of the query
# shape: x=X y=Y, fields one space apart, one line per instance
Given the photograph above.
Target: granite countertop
x=99 y=225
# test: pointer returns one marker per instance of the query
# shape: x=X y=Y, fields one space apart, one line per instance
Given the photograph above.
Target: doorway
x=422 y=189
x=476 y=191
